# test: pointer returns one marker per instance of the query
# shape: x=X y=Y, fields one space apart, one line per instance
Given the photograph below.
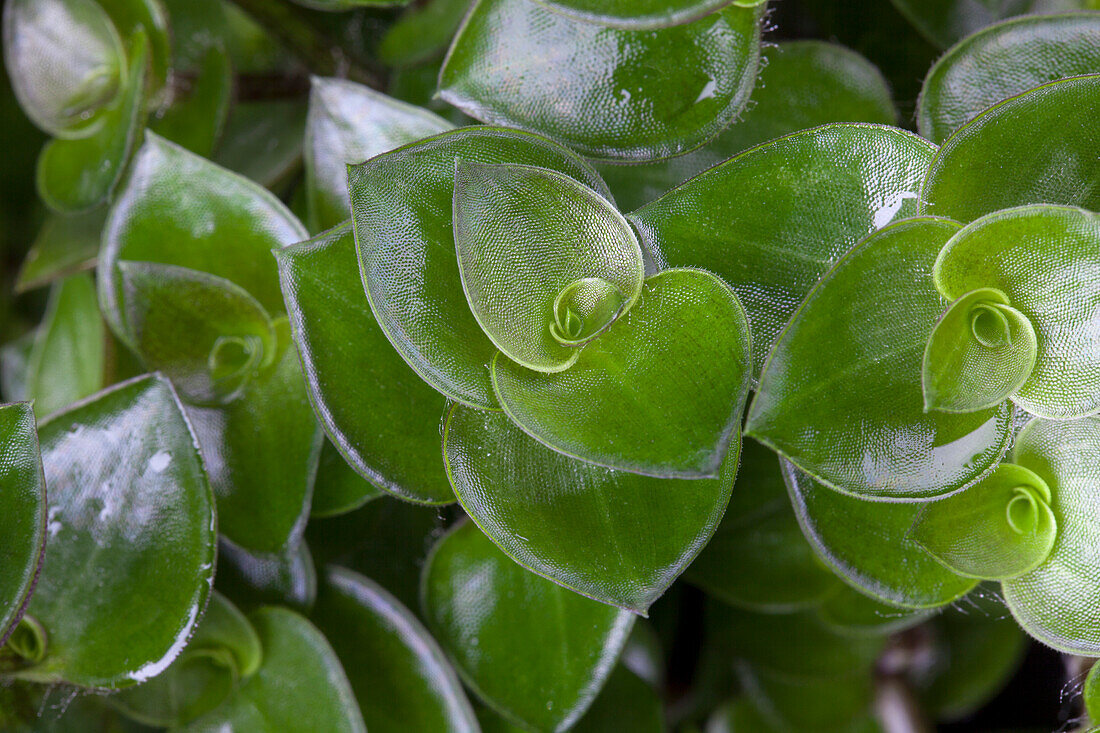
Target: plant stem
x=896 y=708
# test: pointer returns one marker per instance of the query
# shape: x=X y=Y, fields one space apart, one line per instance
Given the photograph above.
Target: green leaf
x=981 y=351
x=377 y=411
x=661 y=393
x=841 y=394
x=547 y=264
x=402 y=208
x=399 y=674
x=224 y=650
x=76 y=175
x=536 y=652
x=68 y=359
x=422 y=33
x=620 y=538
x=625 y=703
x=339 y=6
x=196 y=121
x=64 y=245
x=252 y=579
x=350 y=123
x=943 y=22
x=829 y=703
x=773 y=220
x=300 y=686
x=131 y=526
x=639 y=14
x=851 y=612
x=23 y=508
x=338 y=488
x=1091 y=693
x=1045 y=259
x=180 y=209
x=1059 y=602
x=149 y=17
x=1002 y=61
x=869 y=545
x=263 y=140
x=607 y=93
x=1002 y=527
x=1038 y=147
x=65 y=60
x=261 y=452
x=804 y=84
x=758 y=558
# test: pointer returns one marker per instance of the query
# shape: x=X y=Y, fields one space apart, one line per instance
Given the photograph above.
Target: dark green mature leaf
x=422 y=33
x=848 y=366
x=253 y=579
x=607 y=93
x=1091 y=693
x=300 y=687
x=804 y=84
x=1038 y=147
x=67 y=361
x=773 y=220
x=76 y=175
x=180 y=209
x=350 y=123
x=1059 y=602
x=376 y=410
x=60 y=90
x=131 y=526
x=338 y=488
x=224 y=650
x=402 y=206
x=336 y=6
x=263 y=139
x=854 y=613
x=197 y=120
x=661 y=393
x=64 y=245
x=620 y=538
x=640 y=14
x=1046 y=260
x=527 y=240
x=980 y=352
x=399 y=674
x=828 y=704
x=261 y=451
x=23 y=508
x=625 y=703
x=1002 y=61
x=536 y=652
x=758 y=558
x=131 y=17
x=943 y=22
x=868 y=544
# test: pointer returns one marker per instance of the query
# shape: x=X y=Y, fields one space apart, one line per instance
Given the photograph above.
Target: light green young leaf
x=64 y=245
x=23 y=513
x=1059 y=602
x=131 y=525
x=999 y=528
x=661 y=393
x=349 y=123
x=1046 y=260
x=1038 y=147
x=618 y=537
x=1002 y=61
x=841 y=393
x=607 y=93
x=547 y=264
x=639 y=14
x=1091 y=693
x=981 y=351
x=506 y=629
x=402 y=204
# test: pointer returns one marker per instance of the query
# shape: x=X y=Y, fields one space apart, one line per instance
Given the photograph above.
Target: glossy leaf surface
x=64 y=246
x=643 y=15
x=857 y=384
x=1057 y=602
x=620 y=538
x=399 y=674
x=378 y=412
x=981 y=351
x=660 y=393
x=607 y=93
x=1002 y=61
x=773 y=220
x=538 y=653
x=1046 y=260
x=131 y=525
x=943 y=22
x=1038 y=147
x=350 y=123
x=868 y=544
x=23 y=502
x=422 y=33
x=299 y=687
x=804 y=84
x=402 y=206
x=523 y=236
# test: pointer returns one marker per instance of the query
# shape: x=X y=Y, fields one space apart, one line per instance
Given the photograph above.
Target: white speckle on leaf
x=160 y=461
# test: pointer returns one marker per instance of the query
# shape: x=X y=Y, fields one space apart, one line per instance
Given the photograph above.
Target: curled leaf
x=543 y=259
x=980 y=352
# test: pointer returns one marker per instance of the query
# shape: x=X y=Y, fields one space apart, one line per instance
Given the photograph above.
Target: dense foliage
x=382 y=365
